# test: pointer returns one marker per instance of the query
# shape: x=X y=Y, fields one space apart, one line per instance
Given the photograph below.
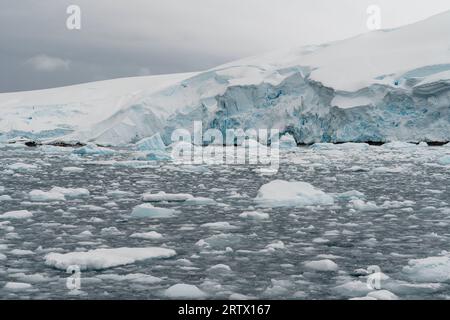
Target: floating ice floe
x=162 y=196
x=219 y=268
x=111 y=231
x=361 y=205
x=445 y=160
x=147 y=210
x=152 y=235
x=186 y=291
x=350 y=195
x=200 y=201
x=42 y=196
x=388 y=170
x=31 y=278
x=17 y=286
x=431 y=269
x=119 y=193
x=256 y=215
x=5 y=198
x=381 y=295
x=275 y=245
x=58 y=194
x=73 y=169
x=105 y=258
x=220 y=241
x=93 y=149
x=281 y=193
x=218 y=225
x=21 y=252
x=71 y=192
x=22 y=167
x=20 y=214
x=355 y=288
x=325 y=265
x=132 y=277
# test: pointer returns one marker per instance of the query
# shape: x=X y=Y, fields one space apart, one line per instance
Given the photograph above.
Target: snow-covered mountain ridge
x=380 y=86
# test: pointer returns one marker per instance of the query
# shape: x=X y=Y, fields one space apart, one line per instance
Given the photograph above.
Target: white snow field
x=385 y=85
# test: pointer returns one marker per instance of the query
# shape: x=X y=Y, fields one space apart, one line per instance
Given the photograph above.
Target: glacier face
x=382 y=86
x=303 y=108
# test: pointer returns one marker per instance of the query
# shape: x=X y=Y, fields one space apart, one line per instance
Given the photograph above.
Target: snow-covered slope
x=380 y=86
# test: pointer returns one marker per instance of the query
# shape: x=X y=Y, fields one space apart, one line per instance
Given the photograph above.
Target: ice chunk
x=445 y=160
x=105 y=258
x=111 y=231
x=21 y=214
x=382 y=295
x=200 y=201
x=321 y=265
x=431 y=269
x=219 y=268
x=287 y=142
x=119 y=193
x=361 y=205
x=162 y=196
x=157 y=155
x=17 y=286
x=279 y=193
x=71 y=192
x=184 y=291
x=254 y=215
x=21 y=252
x=152 y=235
x=351 y=195
x=132 y=277
x=218 y=225
x=73 y=169
x=354 y=288
x=151 y=144
x=22 y=167
x=147 y=210
x=42 y=196
x=220 y=241
x=276 y=245
x=93 y=149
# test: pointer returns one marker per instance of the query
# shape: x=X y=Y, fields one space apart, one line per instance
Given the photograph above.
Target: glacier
x=382 y=86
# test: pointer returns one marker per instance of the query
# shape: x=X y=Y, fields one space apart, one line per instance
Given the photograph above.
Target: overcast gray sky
x=139 y=37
